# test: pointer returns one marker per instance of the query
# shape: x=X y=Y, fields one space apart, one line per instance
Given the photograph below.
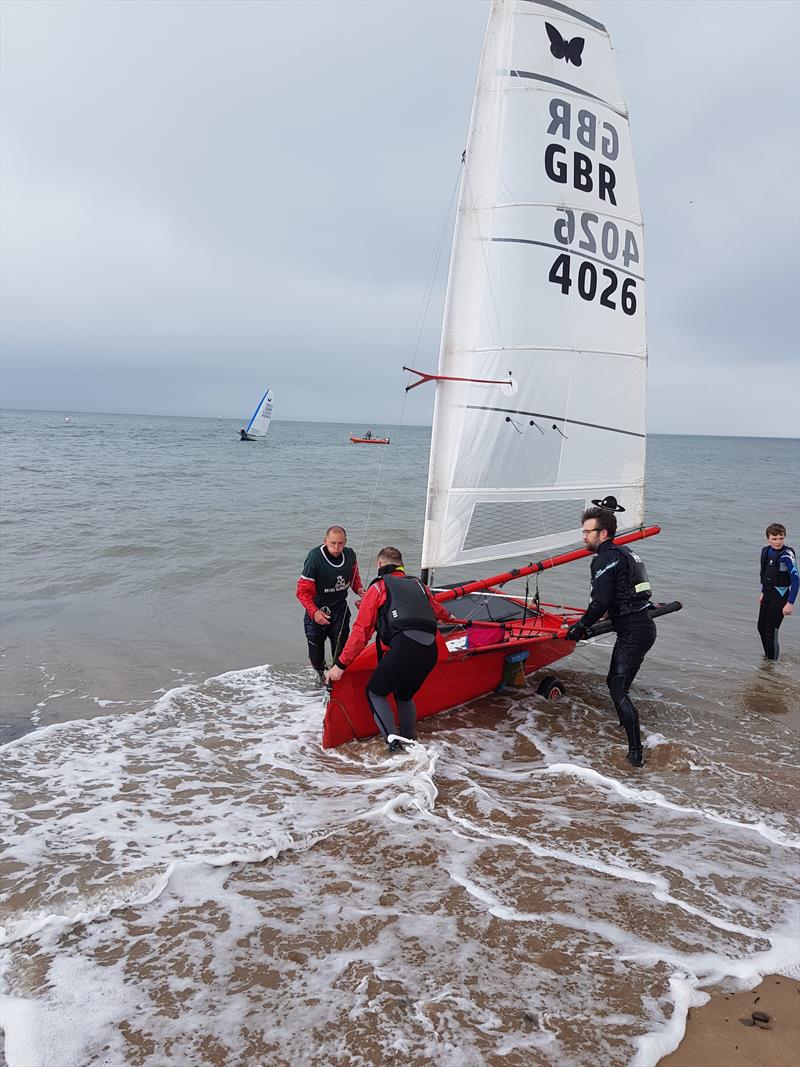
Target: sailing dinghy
x=257 y=427
x=540 y=389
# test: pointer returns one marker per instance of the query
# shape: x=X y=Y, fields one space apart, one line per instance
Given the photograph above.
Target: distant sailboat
x=67 y=420
x=256 y=429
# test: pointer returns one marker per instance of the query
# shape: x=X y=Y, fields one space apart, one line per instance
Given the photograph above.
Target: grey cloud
x=199 y=198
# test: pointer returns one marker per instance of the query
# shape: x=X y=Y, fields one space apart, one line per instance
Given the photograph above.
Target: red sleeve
x=441 y=612
x=364 y=626
x=355 y=581
x=305 y=594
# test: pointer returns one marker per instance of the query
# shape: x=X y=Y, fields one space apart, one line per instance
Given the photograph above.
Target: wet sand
x=716 y=1036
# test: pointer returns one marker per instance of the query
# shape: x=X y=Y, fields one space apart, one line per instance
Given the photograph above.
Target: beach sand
x=716 y=1037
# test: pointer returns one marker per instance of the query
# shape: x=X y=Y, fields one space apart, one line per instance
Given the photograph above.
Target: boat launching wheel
x=551 y=688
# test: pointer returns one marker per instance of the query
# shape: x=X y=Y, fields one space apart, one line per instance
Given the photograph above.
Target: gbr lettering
x=567 y=165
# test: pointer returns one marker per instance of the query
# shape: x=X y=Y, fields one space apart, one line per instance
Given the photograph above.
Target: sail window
x=502 y=522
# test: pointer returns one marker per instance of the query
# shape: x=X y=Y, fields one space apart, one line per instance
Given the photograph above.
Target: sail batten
x=571 y=11
x=555 y=348
x=567 y=87
x=546 y=289
x=558 y=418
x=559 y=248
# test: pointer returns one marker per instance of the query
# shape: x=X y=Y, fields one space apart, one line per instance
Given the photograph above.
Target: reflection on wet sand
x=768 y=692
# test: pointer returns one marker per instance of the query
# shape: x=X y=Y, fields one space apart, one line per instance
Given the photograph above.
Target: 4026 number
x=590 y=284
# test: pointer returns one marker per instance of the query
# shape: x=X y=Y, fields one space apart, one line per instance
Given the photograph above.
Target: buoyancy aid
x=406 y=607
x=332 y=575
x=619 y=581
x=636 y=590
x=774 y=568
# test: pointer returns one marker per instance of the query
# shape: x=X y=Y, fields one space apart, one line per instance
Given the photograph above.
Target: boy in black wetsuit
x=620 y=589
x=779 y=586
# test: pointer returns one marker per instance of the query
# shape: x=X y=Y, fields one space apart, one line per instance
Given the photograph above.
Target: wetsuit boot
x=629 y=721
x=628 y=716
x=633 y=642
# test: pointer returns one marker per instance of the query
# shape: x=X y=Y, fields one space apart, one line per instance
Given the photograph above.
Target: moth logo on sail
x=570 y=51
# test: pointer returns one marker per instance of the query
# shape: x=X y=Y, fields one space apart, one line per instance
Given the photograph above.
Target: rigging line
x=559 y=601
x=482 y=242
x=397 y=422
x=419 y=326
x=559 y=592
x=422 y=314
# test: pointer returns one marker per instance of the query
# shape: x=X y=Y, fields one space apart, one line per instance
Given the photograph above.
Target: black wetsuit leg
x=770 y=617
x=407 y=717
x=634 y=641
x=402 y=670
x=315 y=636
x=336 y=632
x=339 y=629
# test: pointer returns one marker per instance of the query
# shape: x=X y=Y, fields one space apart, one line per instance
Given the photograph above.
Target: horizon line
x=392 y=426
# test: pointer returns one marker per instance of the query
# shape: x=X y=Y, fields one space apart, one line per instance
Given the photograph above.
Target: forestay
x=259 y=423
x=546 y=284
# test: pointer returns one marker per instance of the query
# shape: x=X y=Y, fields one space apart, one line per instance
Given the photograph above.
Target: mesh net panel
x=499 y=523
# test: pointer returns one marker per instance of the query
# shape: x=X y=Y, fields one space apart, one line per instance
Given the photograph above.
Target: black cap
x=609 y=503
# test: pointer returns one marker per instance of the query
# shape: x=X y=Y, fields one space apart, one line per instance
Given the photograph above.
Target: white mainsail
x=546 y=284
x=259 y=422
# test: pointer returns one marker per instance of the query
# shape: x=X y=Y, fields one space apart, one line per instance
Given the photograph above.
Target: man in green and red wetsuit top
x=404 y=613
x=328 y=572
x=780 y=583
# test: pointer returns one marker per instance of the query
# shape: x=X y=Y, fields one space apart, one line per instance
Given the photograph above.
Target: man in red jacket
x=329 y=571
x=404 y=613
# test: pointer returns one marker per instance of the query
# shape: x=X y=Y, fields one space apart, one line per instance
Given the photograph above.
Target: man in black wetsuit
x=404 y=612
x=328 y=572
x=621 y=590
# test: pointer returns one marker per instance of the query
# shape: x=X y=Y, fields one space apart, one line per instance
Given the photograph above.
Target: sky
x=202 y=198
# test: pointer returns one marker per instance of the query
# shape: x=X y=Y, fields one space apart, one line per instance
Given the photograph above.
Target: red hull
x=464 y=674
x=369 y=440
x=457 y=678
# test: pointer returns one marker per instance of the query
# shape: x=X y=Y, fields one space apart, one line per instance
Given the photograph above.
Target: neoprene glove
x=576 y=632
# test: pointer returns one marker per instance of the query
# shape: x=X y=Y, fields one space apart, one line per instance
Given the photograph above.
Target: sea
x=190 y=879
